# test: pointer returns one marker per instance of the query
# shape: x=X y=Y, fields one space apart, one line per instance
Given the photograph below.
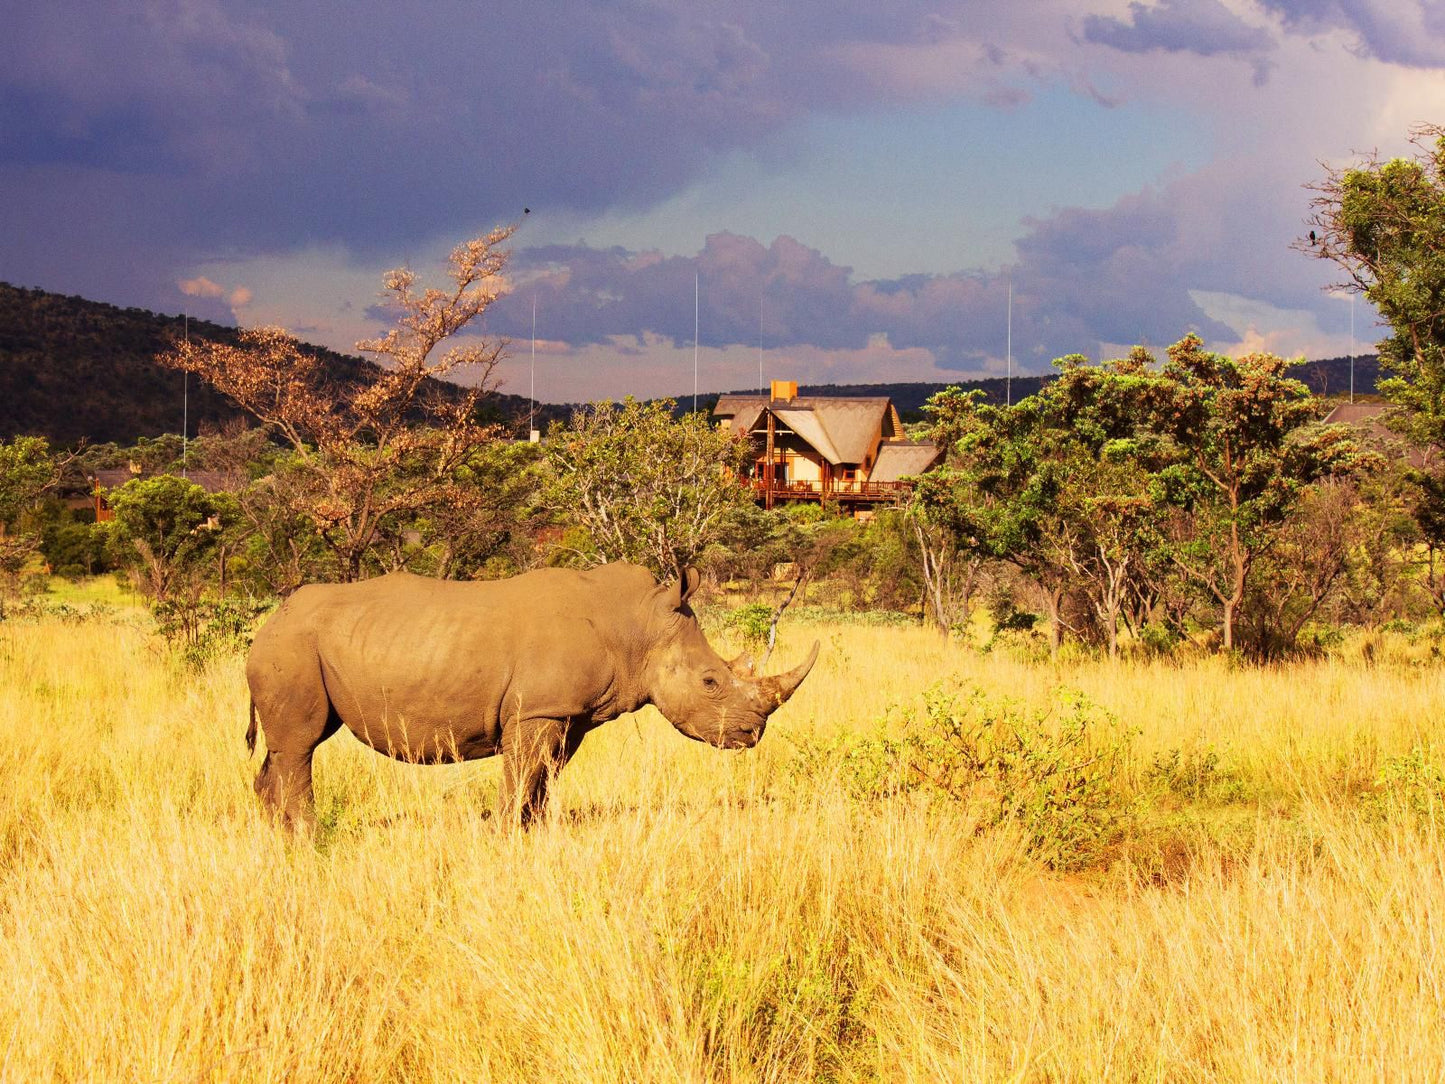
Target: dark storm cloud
x=1082 y=277
x=1406 y=32
x=271 y=126
x=1204 y=27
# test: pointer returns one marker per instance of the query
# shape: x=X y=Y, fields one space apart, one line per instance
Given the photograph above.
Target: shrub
x=752 y=622
x=1058 y=775
x=202 y=630
x=1412 y=784
x=1195 y=775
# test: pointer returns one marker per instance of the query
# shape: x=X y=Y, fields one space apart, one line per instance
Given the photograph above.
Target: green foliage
x=751 y=622
x=1412 y=784
x=1116 y=480
x=1249 y=452
x=27 y=469
x=1382 y=223
x=1059 y=776
x=202 y=630
x=165 y=529
x=646 y=486
x=70 y=542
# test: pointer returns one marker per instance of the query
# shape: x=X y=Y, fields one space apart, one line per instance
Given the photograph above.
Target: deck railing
x=837 y=491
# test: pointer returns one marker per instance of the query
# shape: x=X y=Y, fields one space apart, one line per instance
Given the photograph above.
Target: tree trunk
x=1054 y=600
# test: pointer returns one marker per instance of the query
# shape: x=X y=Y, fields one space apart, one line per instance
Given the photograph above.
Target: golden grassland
x=686 y=914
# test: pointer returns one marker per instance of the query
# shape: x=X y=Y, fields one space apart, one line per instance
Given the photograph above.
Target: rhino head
x=699 y=692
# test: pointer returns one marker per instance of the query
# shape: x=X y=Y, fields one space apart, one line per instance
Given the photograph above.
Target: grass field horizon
x=1262 y=895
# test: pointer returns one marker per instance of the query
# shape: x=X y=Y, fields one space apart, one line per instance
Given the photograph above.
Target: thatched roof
x=897 y=461
x=842 y=429
x=1369 y=420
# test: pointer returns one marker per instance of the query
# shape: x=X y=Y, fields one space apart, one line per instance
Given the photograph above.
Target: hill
x=1329 y=376
x=73 y=369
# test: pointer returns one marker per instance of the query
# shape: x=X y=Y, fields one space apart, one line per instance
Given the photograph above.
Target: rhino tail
x=251 y=731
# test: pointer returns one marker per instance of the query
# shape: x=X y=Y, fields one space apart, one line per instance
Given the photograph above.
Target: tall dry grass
x=687 y=914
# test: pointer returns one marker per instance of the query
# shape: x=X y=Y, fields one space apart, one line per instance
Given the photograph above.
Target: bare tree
x=388 y=443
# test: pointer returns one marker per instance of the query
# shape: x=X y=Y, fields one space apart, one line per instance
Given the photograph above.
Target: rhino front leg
x=533 y=751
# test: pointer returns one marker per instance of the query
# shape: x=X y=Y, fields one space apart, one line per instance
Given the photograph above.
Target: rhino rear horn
x=742 y=665
x=781 y=686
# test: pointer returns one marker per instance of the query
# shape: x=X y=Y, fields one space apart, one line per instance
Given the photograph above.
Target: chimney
x=786 y=390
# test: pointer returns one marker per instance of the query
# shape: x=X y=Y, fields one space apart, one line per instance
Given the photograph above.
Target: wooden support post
x=770 y=471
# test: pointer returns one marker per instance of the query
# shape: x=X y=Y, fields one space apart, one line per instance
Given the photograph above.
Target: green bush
x=751 y=622
x=202 y=630
x=1195 y=775
x=1059 y=775
x=1412 y=784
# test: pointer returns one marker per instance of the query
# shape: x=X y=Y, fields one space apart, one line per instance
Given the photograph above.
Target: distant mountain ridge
x=72 y=369
x=1329 y=376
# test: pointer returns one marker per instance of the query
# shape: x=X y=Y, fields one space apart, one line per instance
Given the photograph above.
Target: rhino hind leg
x=296 y=716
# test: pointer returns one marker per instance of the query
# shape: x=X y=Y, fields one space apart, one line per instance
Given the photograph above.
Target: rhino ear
x=688 y=580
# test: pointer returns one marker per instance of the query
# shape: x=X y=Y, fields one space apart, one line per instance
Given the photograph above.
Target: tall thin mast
x=185 y=400
x=532 y=400
x=1352 y=348
x=694 y=342
x=1009 y=380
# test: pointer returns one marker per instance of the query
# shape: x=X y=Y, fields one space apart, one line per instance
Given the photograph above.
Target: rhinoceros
x=442 y=671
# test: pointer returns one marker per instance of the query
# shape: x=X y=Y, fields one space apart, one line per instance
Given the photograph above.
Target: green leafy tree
x=1247 y=450
x=1058 y=485
x=643 y=485
x=168 y=532
x=995 y=497
x=1092 y=428
x=1383 y=224
x=27 y=471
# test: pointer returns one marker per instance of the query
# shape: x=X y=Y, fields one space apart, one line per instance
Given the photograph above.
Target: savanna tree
x=1383 y=224
x=992 y=497
x=1058 y=485
x=643 y=485
x=390 y=443
x=1247 y=448
x=27 y=470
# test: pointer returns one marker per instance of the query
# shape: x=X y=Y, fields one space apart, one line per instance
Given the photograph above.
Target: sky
x=845 y=192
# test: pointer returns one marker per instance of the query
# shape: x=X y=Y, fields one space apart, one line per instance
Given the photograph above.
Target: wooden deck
x=842 y=492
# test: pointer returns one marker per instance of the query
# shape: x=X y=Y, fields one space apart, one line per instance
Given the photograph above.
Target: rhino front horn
x=781 y=686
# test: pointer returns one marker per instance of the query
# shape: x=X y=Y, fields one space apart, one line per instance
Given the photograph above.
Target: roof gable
x=842 y=429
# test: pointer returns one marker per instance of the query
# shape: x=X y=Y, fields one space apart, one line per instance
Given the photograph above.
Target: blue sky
x=857 y=186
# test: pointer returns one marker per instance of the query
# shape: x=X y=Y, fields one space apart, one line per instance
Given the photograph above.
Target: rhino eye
x=709 y=682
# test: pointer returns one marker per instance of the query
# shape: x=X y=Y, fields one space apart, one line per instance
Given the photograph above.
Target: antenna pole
x=760 y=344
x=532 y=399
x=1352 y=348
x=185 y=399
x=694 y=341
x=1009 y=380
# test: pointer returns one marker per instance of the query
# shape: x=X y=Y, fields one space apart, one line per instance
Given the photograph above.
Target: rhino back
x=429 y=655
